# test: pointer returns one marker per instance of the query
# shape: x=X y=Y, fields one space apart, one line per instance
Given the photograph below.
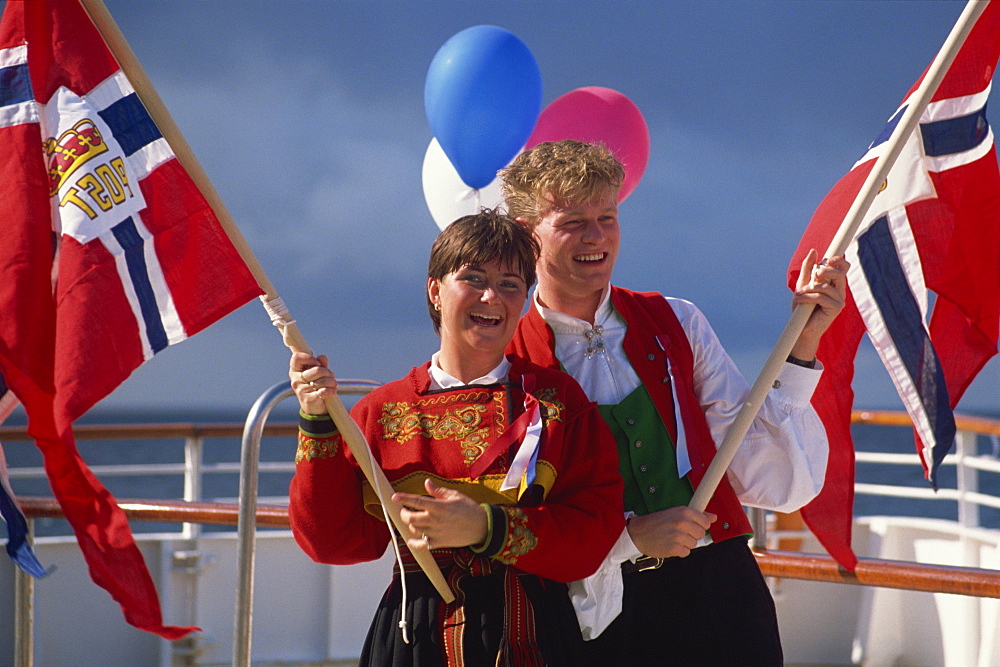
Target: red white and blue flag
x=18 y=544
x=934 y=226
x=108 y=254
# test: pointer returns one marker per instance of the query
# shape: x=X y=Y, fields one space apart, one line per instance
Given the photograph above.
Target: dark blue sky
x=309 y=119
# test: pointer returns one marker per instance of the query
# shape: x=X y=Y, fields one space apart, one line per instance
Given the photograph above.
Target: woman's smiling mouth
x=485 y=319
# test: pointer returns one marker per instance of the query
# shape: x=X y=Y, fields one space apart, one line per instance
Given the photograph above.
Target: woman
x=505 y=470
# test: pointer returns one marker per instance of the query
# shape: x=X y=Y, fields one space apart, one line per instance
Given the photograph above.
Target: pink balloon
x=595 y=114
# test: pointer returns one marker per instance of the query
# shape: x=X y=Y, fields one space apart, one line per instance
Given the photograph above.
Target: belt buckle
x=650 y=564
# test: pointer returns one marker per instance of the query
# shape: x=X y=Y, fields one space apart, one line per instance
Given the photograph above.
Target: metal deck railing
x=192 y=511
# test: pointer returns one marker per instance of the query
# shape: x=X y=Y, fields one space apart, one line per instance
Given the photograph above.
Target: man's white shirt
x=780 y=465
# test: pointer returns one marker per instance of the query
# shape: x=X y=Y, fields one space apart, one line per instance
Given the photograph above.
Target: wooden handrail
x=146 y=431
x=785 y=564
x=882 y=573
x=775 y=563
x=173 y=511
x=981 y=425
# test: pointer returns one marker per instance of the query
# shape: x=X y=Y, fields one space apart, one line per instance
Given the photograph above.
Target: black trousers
x=712 y=608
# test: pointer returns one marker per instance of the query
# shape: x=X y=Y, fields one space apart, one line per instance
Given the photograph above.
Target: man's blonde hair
x=559 y=172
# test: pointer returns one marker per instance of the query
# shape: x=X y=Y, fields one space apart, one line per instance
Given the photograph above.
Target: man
x=682 y=586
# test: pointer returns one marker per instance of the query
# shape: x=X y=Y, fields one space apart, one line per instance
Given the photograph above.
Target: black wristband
x=318 y=426
x=800 y=362
x=497 y=537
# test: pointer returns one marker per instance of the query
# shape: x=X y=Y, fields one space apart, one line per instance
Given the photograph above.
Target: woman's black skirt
x=501 y=616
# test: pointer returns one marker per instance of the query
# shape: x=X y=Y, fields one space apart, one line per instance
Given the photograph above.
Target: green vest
x=646 y=456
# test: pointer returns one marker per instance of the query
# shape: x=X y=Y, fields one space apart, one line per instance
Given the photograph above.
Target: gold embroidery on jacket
x=444 y=399
x=553 y=406
x=520 y=539
x=315 y=448
x=500 y=405
x=464 y=425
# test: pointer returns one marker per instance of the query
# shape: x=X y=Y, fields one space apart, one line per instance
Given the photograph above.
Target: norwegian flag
x=18 y=547
x=108 y=254
x=935 y=225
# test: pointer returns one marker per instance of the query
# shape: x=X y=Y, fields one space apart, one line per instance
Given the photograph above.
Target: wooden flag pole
x=848 y=228
x=290 y=332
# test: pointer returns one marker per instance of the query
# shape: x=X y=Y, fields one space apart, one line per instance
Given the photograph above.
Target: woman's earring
x=437 y=307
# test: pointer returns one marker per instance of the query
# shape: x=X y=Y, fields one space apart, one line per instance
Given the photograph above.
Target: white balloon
x=447 y=196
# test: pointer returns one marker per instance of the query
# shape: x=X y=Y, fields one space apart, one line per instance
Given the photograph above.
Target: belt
x=460 y=558
x=641 y=565
x=644 y=563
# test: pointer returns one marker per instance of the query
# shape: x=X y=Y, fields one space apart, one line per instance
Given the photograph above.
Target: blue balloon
x=483 y=96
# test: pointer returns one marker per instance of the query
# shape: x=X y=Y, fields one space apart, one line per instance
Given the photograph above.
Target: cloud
x=308 y=118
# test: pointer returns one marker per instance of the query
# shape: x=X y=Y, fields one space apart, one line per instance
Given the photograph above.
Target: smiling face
x=579 y=246
x=479 y=307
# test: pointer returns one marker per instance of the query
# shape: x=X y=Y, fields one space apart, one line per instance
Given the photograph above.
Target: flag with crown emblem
x=109 y=253
x=933 y=227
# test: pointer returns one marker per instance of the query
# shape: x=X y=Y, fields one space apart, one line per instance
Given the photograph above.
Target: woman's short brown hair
x=559 y=172
x=477 y=239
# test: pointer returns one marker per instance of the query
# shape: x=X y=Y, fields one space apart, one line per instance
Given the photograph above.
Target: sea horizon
x=219 y=486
